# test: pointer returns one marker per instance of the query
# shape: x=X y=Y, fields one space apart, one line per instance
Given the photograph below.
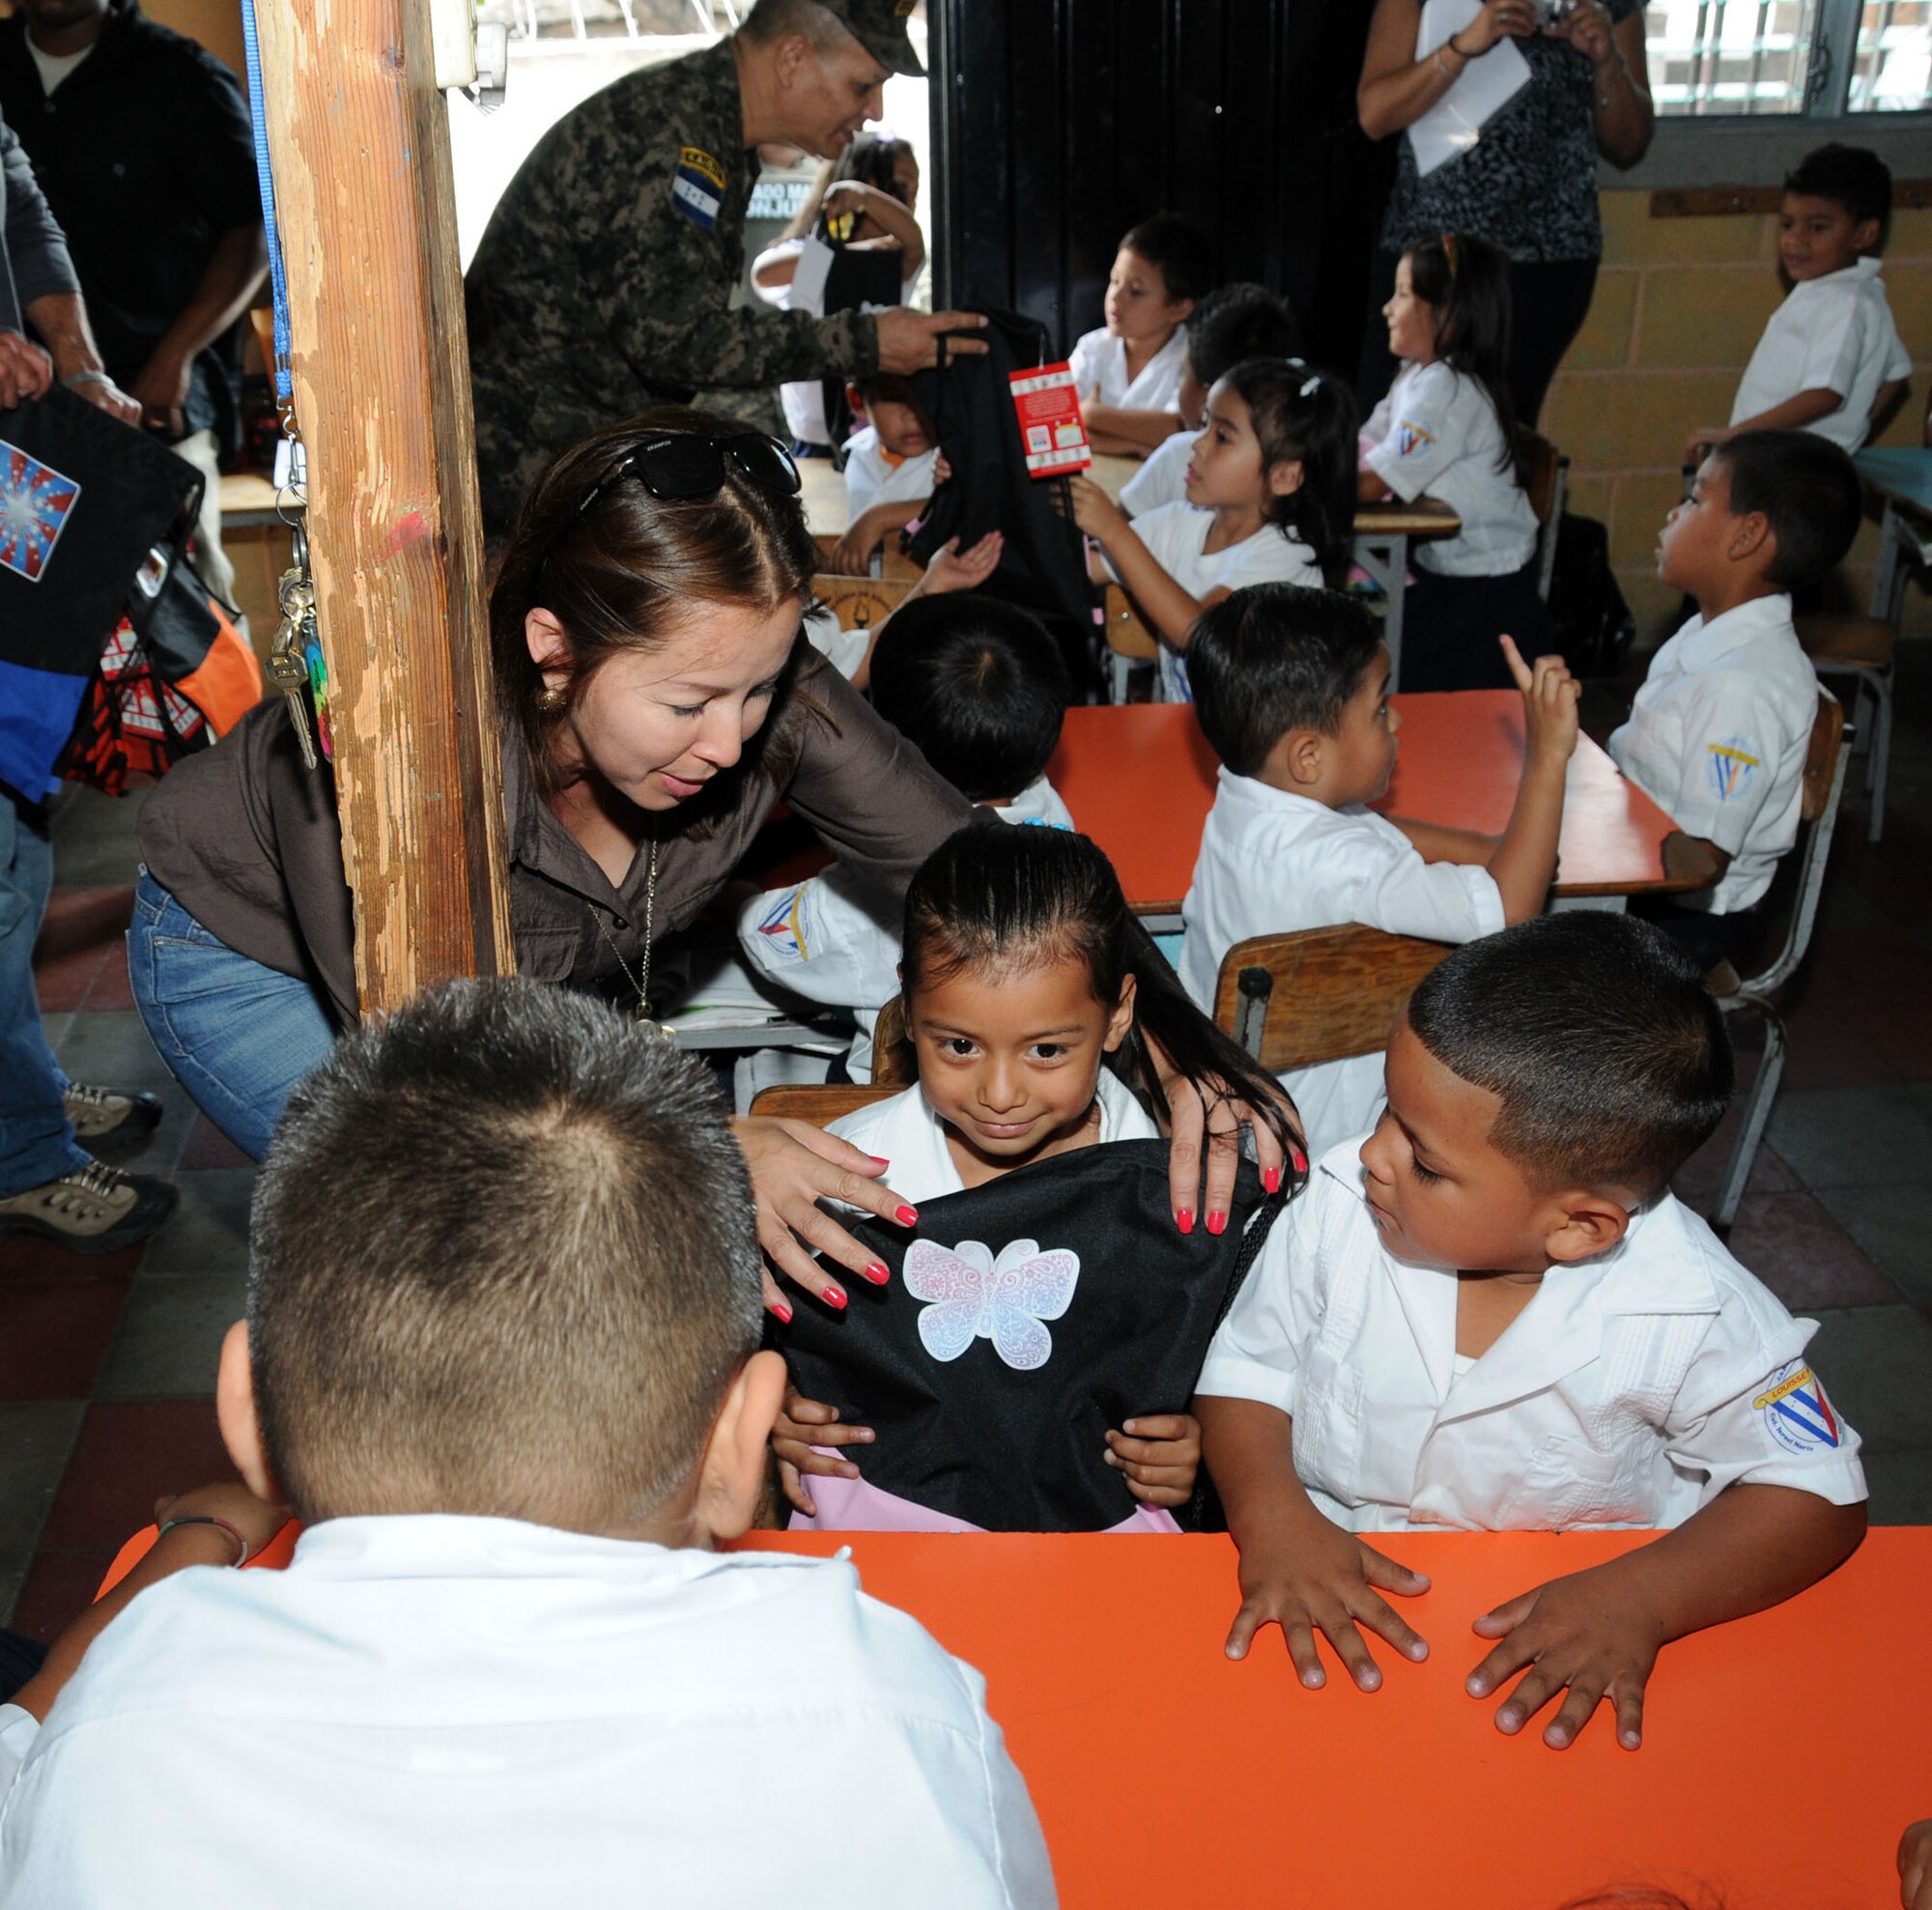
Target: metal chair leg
x=1881 y=755
x=1757 y=1116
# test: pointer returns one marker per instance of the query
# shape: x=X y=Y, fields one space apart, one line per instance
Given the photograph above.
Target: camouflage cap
x=879 y=26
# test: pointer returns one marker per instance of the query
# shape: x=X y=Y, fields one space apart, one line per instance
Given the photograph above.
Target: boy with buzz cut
x=1232 y=325
x=1719 y=732
x=1492 y=1314
x=1291 y=686
x=501 y=1358
x=1830 y=359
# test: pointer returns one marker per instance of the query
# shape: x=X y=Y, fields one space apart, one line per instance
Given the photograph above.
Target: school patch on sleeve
x=1411 y=438
x=788 y=928
x=1733 y=769
x=1797 y=1415
x=35 y=500
x=698 y=187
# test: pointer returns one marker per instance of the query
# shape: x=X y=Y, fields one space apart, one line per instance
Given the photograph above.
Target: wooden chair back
x=1821 y=758
x=1337 y=990
x=1127 y=634
x=859 y=603
x=1546 y=485
x=820 y=1102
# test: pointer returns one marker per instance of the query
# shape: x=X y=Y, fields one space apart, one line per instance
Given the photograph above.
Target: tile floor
x=106 y=1365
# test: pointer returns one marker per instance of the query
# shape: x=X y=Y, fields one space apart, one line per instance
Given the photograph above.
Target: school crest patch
x=35 y=504
x=1732 y=768
x=1797 y=1415
x=787 y=927
x=698 y=187
x=1412 y=437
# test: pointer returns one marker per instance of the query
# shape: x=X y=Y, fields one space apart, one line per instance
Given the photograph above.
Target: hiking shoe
x=94 y=1209
x=108 y=1121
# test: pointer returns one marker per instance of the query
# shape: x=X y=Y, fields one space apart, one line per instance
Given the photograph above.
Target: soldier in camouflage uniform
x=604 y=281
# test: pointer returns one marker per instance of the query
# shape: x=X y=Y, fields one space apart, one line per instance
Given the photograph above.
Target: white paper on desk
x=1455 y=123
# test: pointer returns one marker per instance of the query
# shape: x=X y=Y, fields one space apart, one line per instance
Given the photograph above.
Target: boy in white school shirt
x=891 y=465
x=501 y=1358
x=1830 y=359
x=1127 y=373
x=1719 y=732
x=1292 y=689
x=981 y=690
x=1231 y=325
x=1492 y=1314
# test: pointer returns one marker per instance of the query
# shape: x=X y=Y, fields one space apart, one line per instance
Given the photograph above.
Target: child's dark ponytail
x=999 y=897
x=1306 y=416
x=1467 y=279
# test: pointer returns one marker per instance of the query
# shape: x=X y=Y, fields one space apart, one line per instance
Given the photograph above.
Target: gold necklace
x=640 y=982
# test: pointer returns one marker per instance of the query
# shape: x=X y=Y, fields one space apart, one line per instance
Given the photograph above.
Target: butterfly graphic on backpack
x=973 y=1294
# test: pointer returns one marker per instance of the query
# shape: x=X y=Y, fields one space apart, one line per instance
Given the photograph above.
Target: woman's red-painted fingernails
x=1300 y=1161
x=782 y=1311
x=1271 y=1180
x=832 y=1297
x=878 y=1159
x=1184 y=1220
x=1217 y=1222
x=878 y=1272
x=906 y=1217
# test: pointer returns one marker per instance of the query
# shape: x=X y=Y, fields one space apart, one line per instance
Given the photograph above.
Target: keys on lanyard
x=288 y=666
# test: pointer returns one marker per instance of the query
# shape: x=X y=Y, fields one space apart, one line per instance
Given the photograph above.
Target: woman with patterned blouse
x=1528 y=185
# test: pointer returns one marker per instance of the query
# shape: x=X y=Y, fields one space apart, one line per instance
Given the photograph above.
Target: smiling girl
x=1269 y=500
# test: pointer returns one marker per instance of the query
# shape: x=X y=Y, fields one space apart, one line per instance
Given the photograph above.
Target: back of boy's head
x=1809 y=490
x=1849 y=176
x=1237 y=322
x=1598 y=1036
x=978 y=685
x=1305 y=416
x=503 y=1262
x=1273 y=658
x=1177 y=250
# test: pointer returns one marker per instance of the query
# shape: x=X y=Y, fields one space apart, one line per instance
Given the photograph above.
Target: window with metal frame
x=1821 y=59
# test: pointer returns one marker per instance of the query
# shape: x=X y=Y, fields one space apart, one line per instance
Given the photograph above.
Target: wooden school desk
x=1140 y=780
x=1782 y=1756
x=1383 y=533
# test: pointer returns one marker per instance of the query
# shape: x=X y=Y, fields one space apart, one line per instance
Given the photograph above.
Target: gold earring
x=552 y=698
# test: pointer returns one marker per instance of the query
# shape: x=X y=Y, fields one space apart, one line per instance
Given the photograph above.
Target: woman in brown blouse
x=656 y=703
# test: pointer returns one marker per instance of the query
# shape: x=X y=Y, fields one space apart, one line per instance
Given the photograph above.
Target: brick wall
x=1680 y=304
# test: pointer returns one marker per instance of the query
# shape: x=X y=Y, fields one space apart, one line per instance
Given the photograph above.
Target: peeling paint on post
x=360 y=149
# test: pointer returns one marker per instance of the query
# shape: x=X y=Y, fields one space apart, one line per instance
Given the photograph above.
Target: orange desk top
x=1782 y=1756
x=1140 y=780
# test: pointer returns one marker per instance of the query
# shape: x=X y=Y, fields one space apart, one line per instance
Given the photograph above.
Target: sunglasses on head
x=682 y=465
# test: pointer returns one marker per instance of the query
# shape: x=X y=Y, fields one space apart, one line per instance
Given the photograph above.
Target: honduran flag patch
x=34 y=505
x=698 y=187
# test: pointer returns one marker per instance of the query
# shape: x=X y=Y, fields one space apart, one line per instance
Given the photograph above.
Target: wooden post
x=359 y=145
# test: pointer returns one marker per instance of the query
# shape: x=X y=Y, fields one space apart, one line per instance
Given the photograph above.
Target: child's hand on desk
x=1583 y=1636
x=1311 y=1577
x=852 y=555
x=1160 y=1455
x=803 y=1424
x=1550 y=699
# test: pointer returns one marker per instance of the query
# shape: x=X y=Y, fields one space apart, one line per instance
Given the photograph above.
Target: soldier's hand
x=909 y=341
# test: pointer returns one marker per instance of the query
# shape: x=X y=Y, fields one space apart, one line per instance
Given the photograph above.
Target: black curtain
x=1059 y=123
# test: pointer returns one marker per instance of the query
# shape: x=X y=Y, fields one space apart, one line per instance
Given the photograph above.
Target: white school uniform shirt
x=1176 y=535
x=905 y=1131
x=1718 y=736
x=1162 y=477
x=1272 y=864
x=844 y=650
x=1631 y=1391
x=1436 y=432
x=873 y=478
x=1834 y=334
x=1100 y=359
x=835 y=938
x=426 y=1710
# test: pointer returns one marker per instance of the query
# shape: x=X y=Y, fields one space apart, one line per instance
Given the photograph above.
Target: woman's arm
x=1396 y=88
x=1622 y=114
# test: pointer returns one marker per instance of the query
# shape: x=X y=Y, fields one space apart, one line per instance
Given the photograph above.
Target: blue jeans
x=237 y=1033
x=37 y=1144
